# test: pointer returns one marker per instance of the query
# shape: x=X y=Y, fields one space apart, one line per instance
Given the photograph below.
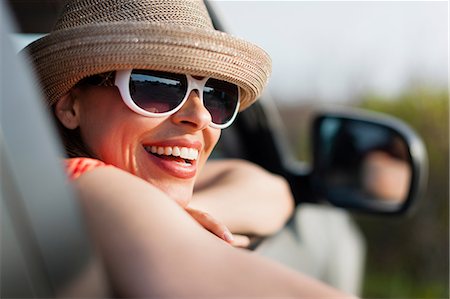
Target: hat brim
x=64 y=57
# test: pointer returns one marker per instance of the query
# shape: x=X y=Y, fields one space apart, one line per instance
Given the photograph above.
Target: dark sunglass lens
x=157 y=92
x=220 y=98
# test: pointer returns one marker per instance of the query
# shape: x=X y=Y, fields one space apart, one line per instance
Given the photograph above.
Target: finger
x=211 y=224
x=241 y=241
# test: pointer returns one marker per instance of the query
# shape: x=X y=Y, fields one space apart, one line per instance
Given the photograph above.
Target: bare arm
x=151 y=247
x=245 y=197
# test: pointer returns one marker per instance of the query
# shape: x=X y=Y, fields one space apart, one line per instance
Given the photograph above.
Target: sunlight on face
x=168 y=152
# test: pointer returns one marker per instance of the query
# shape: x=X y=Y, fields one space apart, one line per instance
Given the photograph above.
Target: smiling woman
x=140 y=91
x=118 y=136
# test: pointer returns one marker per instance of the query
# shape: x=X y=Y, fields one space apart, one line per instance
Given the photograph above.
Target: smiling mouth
x=175 y=153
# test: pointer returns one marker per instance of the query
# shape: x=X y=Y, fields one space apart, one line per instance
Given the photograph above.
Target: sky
x=335 y=51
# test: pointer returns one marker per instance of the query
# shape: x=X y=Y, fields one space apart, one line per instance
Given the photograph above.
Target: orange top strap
x=77 y=166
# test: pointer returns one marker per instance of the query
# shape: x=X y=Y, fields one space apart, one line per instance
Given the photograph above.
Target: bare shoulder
x=112 y=184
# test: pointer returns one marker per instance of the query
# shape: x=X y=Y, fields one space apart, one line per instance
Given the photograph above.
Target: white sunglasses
x=158 y=94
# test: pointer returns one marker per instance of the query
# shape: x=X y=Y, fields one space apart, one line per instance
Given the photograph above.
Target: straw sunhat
x=96 y=36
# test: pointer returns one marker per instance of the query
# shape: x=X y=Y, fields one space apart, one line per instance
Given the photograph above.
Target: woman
x=145 y=87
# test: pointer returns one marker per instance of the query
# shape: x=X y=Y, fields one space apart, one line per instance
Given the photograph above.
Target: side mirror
x=367 y=161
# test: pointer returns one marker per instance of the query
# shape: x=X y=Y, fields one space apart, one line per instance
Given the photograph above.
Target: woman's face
x=168 y=152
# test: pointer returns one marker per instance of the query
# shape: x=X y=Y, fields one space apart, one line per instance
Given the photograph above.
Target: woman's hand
x=218 y=228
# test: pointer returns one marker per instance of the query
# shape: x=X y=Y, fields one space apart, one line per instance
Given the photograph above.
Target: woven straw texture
x=95 y=36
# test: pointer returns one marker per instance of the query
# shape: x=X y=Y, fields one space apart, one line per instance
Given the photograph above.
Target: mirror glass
x=359 y=163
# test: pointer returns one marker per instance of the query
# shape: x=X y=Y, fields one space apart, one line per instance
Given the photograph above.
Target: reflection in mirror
x=362 y=161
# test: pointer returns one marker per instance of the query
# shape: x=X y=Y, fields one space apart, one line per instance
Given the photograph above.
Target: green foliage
x=401 y=285
x=409 y=257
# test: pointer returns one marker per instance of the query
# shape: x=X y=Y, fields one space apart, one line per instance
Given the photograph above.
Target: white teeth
x=193 y=153
x=182 y=152
x=176 y=151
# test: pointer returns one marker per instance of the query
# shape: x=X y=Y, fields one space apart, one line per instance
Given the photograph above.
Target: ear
x=67 y=111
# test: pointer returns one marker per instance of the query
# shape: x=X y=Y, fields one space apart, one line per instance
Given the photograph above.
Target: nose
x=193 y=113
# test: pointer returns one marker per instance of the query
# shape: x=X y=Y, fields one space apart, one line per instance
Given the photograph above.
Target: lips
x=176 y=160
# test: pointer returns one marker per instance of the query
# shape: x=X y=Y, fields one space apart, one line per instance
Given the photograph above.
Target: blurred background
x=388 y=56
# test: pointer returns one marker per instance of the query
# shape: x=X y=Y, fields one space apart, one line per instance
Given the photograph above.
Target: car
x=41 y=222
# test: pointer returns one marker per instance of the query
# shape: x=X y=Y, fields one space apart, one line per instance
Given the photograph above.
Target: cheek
x=100 y=135
x=103 y=121
x=116 y=138
x=215 y=135
x=211 y=137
